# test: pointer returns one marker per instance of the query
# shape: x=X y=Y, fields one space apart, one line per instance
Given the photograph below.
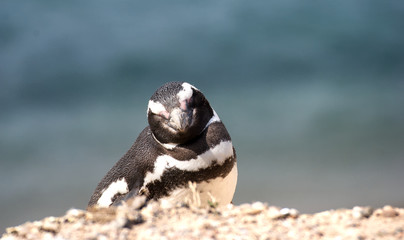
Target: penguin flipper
x=125 y=178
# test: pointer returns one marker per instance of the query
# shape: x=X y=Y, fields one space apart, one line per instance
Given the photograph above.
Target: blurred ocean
x=312 y=94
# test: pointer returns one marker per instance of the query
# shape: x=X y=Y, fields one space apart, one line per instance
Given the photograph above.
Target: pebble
x=387 y=211
x=15 y=230
x=276 y=213
x=273 y=212
x=254 y=208
x=75 y=213
x=361 y=212
x=289 y=212
x=50 y=225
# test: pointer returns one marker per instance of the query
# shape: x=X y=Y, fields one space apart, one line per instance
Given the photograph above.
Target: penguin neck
x=168 y=146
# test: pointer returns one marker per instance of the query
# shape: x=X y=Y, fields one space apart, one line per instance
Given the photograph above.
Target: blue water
x=311 y=93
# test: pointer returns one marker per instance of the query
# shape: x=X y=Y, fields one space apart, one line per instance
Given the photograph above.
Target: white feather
x=214 y=118
x=221 y=189
x=155 y=107
x=186 y=92
x=120 y=186
x=219 y=154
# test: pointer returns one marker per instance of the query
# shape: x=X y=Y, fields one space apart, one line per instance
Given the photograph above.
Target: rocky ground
x=185 y=221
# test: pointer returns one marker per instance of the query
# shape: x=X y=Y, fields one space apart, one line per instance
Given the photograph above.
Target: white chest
x=219 y=190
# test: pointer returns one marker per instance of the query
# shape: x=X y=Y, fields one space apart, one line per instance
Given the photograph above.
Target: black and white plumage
x=184 y=142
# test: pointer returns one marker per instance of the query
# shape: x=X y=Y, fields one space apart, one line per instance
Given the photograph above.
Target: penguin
x=185 y=142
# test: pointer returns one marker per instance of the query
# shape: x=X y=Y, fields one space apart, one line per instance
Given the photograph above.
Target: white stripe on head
x=155 y=107
x=218 y=154
x=118 y=187
x=186 y=92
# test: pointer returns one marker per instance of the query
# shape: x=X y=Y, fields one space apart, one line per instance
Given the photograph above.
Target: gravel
x=159 y=220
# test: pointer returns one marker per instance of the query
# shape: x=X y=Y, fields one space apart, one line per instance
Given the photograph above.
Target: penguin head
x=178 y=112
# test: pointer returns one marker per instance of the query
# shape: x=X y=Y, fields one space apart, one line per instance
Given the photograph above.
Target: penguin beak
x=186 y=120
x=181 y=118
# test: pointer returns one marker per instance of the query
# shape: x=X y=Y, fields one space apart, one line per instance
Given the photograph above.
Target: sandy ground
x=159 y=220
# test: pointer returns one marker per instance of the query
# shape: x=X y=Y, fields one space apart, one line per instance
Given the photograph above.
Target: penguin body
x=184 y=142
